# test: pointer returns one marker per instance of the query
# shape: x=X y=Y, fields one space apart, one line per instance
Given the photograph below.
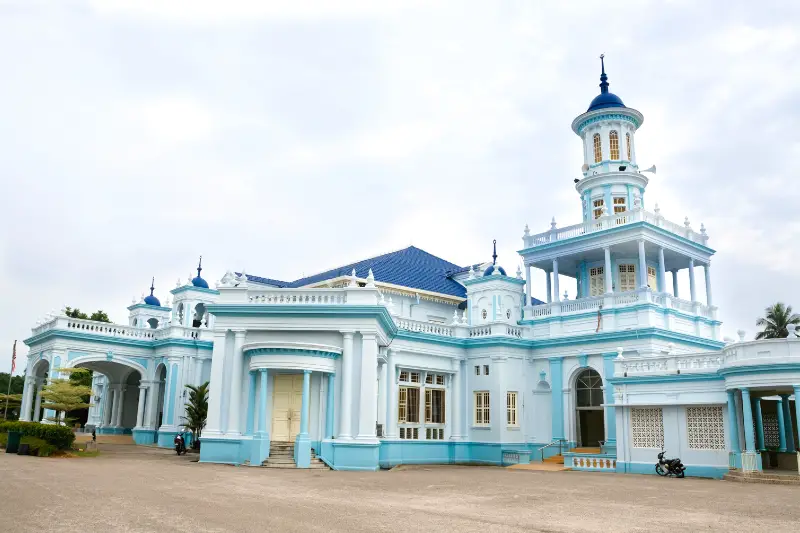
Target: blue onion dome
x=489 y=271
x=152 y=300
x=605 y=99
x=198 y=281
x=494 y=266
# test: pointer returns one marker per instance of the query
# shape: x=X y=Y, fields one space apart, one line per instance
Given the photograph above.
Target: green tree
x=63 y=395
x=196 y=411
x=777 y=317
x=15 y=394
x=97 y=316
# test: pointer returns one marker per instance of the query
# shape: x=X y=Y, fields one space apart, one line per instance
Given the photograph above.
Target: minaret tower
x=611 y=180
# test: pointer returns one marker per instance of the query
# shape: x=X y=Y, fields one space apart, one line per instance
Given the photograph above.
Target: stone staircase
x=281 y=455
x=783 y=478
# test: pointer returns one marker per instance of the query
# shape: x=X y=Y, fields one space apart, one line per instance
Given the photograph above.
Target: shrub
x=59 y=436
x=38 y=446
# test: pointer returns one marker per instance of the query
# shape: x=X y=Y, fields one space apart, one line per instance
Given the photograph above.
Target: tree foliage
x=196 y=409
x=97 y=316
x=14 y=398
x=66 y=394
x=777 y=317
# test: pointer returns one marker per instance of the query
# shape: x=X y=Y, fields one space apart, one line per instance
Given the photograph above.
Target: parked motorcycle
x=180 y=444
x=669 y=467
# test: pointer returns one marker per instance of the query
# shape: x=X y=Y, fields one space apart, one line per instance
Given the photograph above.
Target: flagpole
x=8 y=392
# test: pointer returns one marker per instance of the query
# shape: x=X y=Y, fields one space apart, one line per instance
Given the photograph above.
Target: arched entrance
x=589 y=416
x=161 y=381
x=120 y=395
x=32 y=403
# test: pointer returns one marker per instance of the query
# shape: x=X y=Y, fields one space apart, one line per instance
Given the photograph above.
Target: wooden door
x=287 y=402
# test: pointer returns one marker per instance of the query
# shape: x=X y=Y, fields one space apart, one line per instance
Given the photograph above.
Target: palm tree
x=196 y=411
x=776 y=319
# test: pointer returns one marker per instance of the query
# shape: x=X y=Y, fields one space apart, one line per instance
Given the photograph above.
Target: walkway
x=131 y=488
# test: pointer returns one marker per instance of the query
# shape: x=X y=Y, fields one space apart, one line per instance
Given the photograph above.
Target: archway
x=161 y=378
x=152 y=323
x=120 y=397
x=33 y=402
x=200 y=316
x=589 y=415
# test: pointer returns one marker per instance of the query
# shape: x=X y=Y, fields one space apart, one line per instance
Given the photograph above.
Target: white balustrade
x=707 y=362
x=480 y=331
x=106 y=329
x=298 y=296
x=612 y=221
x=626 y=298
x=425 y=327
x=512 y=331
x=682 y=305
x=582 y=304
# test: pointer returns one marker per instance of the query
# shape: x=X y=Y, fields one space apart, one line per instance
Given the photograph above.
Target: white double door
x=287 y=404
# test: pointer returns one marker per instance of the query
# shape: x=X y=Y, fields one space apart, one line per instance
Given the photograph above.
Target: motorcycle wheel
x=681 y=472
x=660 y=470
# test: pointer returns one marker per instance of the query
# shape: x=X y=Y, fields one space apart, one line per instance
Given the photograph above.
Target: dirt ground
x=130 y=488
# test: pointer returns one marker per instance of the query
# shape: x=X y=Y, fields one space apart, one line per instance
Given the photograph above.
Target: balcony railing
x=617 y=300
x=692 y=363
x=493 y=329
x=298 y=296
x=106 y=329
x=612 y=221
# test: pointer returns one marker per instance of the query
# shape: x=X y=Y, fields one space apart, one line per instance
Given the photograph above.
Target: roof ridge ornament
x=494 y=254
x=152 y=285
x=199 y=266
x=603 y=77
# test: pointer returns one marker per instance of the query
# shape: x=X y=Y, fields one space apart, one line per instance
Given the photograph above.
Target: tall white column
x=151 y=405
x=216 y=387
x=609 y=282
x=642 y=266
x=120 y=404
x=198 y=370
x=692 y=291
x=662 y=273
x=140 y=406
x=382 y=396
x=367 y=409
x=707 y=270
x=549 y=288
x=108 y=410
x=675 y=283
x=528 y=287
x=37 y=405
x=391 y=396
x=235 y=407
x=456 y=399
x=27 y=404
x=556 y=292
x=346 y=415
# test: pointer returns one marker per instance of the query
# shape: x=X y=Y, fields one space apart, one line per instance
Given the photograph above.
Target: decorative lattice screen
x=705 y=428
x=771 y=438
x=647 y=426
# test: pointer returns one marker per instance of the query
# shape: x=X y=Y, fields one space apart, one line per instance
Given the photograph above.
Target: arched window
x=598 y=151
x=628 y=146
x=613 y=139
x=153 y=323
x=180 y=313
x=589 y=389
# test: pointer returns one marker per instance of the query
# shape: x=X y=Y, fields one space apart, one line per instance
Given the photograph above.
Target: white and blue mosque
x=408 y=358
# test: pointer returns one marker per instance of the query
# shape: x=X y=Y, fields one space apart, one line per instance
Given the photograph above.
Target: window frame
x=512 y=409
x=613 y=145
x=597 y=207
x=597 y=145
x=627 y=276
x=482 y=408
x=620 y=206
x=628 y=145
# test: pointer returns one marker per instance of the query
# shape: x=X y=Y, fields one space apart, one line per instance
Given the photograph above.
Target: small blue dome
x=604 y=100
x=152 y=300
x=200 y=282
x=489 y=271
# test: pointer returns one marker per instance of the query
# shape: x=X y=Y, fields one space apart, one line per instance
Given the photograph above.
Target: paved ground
x=130 y=488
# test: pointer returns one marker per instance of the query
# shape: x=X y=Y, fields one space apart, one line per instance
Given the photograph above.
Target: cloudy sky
x=289 y=137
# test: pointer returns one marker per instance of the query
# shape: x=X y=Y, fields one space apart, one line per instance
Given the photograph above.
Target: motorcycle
x=669 y=467
x=180 y=444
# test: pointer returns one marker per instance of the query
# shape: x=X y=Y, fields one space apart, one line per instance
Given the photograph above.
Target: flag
x=13 y=359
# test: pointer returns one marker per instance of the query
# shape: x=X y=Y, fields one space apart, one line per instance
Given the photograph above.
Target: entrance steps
x=783 y=478
x=281 y=455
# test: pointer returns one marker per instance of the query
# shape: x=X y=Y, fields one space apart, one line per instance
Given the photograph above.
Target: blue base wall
x=715 y=472
x=227 y=451
x=113 y=431
x=144 y=436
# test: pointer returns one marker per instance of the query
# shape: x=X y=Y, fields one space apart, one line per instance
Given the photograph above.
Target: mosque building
x=406 y=358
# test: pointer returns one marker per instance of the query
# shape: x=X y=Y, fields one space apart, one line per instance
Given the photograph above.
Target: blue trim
x=622 y=310
x=627 y=335
x=329 y=407
x=251 y=402
x=217 y=450
x=760 y=369
x=606 y=116
x=291 y=351
x=715 y=472
x=150 y=307
x=486 y=279
x=185 y=288
x=119 y=341
x=557 y=397
x=144 y=436
x=617 y=229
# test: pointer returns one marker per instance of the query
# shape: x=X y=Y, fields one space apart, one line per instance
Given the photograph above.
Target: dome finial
x=152 y=285
x=603 y=77
x=494 y=254
x=199 y=266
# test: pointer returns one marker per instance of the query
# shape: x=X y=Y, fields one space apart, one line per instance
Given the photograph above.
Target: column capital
x=263 y=370
x=785 y=396
x=348 y=333
x=306 y=371
x=239 y=332
x=745 y=390
x=369 y=335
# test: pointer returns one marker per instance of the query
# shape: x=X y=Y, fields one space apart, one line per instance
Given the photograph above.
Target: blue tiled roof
x=268 y=281
x=409 y=267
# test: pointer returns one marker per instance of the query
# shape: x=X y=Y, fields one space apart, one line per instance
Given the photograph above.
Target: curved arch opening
x=153 y=323
x=200 y=316
x=589 y=412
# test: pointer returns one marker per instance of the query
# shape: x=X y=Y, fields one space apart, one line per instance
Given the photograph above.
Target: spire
x=494 y=254
x=603 y=77
x=199 y=266
x=152 y=285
